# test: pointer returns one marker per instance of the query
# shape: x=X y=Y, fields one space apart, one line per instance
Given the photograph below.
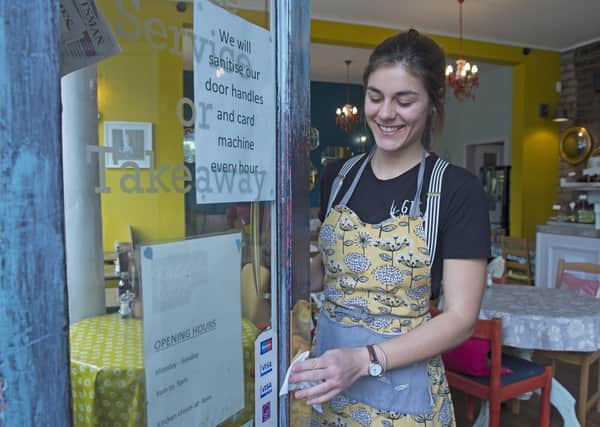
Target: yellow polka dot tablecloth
x=107 y=372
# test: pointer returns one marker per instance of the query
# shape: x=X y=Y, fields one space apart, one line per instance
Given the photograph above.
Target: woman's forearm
x=463 y=290
x=442 y=333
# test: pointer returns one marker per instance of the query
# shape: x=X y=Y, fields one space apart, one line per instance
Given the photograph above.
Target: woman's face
x=396 y=108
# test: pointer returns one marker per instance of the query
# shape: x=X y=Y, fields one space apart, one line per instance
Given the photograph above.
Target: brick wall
x=577 y=70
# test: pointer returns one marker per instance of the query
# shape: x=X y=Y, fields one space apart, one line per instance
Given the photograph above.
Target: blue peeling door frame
x=34 y=369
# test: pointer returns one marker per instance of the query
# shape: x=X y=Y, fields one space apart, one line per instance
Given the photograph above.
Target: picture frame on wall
x=130 y=142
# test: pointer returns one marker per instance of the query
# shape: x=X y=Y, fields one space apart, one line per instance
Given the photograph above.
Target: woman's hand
x=336 y=370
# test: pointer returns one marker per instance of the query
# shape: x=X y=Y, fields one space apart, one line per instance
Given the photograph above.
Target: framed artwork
x=130 y=142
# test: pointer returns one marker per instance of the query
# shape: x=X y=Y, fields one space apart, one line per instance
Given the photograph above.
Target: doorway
x=486 y=154
x=490 y=161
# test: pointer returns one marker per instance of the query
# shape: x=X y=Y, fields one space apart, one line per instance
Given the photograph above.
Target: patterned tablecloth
x=107 y=372
x=544 y=318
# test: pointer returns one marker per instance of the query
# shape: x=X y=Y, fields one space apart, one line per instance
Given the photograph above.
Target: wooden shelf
x=580 y=186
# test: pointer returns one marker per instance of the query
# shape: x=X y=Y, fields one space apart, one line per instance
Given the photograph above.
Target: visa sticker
x=265 y=368
x=266 y=389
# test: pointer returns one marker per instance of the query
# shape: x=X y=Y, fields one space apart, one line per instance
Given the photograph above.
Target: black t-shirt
x=464 y=229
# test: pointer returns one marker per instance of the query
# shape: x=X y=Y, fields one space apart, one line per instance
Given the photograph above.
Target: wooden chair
x=582 y=267
x=496 y=388
x=582 y=359
x=517 y=263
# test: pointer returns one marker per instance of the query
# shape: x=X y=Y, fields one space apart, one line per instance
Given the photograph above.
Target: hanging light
x=560 y=115
x=347 y=116
x=465 y=80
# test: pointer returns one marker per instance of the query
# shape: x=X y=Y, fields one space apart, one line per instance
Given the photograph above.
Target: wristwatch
x=375 y=368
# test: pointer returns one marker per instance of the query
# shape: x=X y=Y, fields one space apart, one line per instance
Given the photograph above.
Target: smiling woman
x=391 y=220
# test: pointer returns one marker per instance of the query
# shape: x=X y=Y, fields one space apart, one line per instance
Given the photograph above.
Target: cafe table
x=545 y=319
x=107 y=372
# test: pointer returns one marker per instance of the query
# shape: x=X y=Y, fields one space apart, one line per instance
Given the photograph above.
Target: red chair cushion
x=580 y=286
x=470 y=358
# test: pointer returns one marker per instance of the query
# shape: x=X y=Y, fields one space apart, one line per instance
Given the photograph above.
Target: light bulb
x=449 y=70
x=354 y=110
x=474 y=69
x=338 y=112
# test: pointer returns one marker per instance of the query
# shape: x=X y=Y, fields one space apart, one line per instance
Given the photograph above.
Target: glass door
x=179 y=327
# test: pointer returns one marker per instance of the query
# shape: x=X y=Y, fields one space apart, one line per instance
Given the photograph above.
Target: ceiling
x=545 y=24
x=556 y=25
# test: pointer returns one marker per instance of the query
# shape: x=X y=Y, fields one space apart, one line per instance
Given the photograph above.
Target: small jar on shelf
x=585 y=210
x=571 y=212
x=559 y=214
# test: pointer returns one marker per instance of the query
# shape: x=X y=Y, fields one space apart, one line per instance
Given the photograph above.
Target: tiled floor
x=528 y=414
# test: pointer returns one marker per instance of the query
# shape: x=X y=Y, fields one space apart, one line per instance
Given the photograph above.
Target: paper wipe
x=286 y=387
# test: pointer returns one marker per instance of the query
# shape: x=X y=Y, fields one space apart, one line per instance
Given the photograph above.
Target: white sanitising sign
x=234 y=98
x=192 y=331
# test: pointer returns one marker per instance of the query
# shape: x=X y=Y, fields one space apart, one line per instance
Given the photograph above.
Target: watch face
x=375 y=370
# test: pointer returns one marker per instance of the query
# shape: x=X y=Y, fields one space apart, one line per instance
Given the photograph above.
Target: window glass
x=146 y=184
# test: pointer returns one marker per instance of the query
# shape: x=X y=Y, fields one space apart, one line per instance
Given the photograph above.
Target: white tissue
x=286 y=387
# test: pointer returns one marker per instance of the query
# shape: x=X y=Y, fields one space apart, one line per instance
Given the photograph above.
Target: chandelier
x=465 y=80
x=347 y=116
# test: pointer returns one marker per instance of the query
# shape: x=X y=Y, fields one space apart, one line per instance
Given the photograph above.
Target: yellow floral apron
x=378 y=284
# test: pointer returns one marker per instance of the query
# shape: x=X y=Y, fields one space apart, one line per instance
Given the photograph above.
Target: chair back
x=124 y=256
x=517 y=263
x=492 y=330
x=523 y=376
x=579 y=285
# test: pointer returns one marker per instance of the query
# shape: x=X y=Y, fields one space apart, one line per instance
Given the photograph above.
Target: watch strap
x=372 y=354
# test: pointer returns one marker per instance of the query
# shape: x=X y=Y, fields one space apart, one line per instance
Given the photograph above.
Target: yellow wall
x=143 y=83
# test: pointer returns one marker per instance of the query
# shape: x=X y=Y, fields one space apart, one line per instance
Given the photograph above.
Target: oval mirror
x=575 y=145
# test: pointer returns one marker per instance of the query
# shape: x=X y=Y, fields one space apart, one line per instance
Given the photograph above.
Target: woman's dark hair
x=421 y=56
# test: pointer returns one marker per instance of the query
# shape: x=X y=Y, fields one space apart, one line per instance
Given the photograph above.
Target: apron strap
x=432 y=212
x=415 y=208
x=339 y=179
x=354 y=183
